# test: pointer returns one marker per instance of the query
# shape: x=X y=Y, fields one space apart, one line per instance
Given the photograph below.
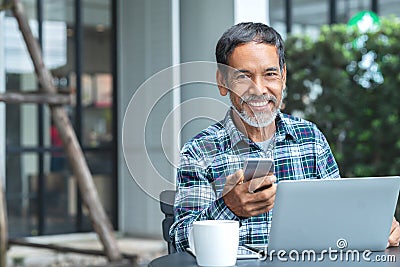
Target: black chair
x=167 y=198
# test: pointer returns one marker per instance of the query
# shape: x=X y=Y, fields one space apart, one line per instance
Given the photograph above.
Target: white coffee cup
x=215 y=242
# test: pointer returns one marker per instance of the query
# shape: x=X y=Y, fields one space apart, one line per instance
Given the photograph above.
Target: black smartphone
x=257 y=167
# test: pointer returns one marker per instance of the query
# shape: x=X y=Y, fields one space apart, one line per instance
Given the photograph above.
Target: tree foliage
x=347 y=83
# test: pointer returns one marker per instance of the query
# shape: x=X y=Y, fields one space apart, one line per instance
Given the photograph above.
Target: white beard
x=260 y=119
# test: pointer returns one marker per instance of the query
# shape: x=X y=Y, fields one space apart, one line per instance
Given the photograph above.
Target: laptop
x=341 y=214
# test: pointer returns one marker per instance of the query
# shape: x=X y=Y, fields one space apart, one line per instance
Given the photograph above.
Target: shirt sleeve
x=196 y=197
x=326 y=163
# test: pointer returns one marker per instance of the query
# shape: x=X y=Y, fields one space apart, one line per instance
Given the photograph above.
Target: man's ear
x=221 y=82
x=284 y=77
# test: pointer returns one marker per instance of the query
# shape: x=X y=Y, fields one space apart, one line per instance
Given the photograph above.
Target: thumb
x=261 y=182
x=232 y=180
x=235 y=178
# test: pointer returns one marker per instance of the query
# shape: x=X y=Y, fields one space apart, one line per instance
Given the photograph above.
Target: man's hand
x=394 y=237
x=241 y=200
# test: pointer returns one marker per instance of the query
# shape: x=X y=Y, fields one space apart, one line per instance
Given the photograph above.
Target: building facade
x=103 y=52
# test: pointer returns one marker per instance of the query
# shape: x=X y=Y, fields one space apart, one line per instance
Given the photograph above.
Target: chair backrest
x=167 y=199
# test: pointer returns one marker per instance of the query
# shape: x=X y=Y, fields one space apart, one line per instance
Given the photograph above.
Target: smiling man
x=210 y=182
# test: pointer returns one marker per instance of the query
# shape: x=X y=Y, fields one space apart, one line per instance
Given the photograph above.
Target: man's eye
x=242 y=77
x=272 y=76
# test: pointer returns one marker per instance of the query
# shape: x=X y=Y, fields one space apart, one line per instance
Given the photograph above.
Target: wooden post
x=41 y=98
x=3 y=227
x=100 y=221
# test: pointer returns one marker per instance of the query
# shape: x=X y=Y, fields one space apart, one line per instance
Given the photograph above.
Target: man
x=210 y=185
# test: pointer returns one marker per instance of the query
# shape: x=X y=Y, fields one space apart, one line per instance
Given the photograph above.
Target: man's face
x=255 y=83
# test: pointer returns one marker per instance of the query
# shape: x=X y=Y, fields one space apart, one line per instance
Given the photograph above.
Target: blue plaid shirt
x=301 y=152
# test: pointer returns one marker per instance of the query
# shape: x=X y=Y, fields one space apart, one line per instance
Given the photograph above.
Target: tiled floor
x=145 y=249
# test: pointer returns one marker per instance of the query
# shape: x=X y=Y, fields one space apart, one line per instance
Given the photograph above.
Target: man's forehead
x=267 y=50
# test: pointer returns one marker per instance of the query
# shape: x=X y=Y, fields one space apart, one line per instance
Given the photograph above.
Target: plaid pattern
x=301 y=152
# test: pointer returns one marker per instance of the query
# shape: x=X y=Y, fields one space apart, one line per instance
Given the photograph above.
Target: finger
x=232 y=180
x=394 y=225
x=260 y=202
x=251 y=204
x=261 y=182
x=393 y=242
x=259 y=208
x=264 y=196
x=394 y=237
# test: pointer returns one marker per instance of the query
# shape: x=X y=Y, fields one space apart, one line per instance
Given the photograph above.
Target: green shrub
x=348 y=83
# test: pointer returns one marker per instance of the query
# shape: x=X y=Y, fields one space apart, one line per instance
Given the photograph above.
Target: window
x=78 y=49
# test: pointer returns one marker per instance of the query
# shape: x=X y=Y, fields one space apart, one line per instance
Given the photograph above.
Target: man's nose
x=258 y=86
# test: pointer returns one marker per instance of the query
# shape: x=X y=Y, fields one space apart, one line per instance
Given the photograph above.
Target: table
x=389 y=257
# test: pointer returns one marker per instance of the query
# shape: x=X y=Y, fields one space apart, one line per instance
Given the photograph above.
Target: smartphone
x=257 y=167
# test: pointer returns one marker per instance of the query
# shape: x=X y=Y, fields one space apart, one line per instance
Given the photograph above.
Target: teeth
x=258 y=104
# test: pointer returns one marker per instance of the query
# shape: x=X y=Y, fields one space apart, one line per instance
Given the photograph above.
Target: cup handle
x=191 y=240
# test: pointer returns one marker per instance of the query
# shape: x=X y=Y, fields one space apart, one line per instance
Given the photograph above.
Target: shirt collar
x=283 y=129
x=235 y=135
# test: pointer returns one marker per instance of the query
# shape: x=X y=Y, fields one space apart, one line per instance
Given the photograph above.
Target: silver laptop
x=346 y=214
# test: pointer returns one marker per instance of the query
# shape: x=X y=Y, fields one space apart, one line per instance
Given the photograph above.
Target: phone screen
x=257 y=167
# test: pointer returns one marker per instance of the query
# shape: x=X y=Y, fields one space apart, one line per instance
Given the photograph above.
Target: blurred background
x=343 y=74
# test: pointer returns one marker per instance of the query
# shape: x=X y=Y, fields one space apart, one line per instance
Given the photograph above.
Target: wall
x=145 y=47
x=202 y=24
